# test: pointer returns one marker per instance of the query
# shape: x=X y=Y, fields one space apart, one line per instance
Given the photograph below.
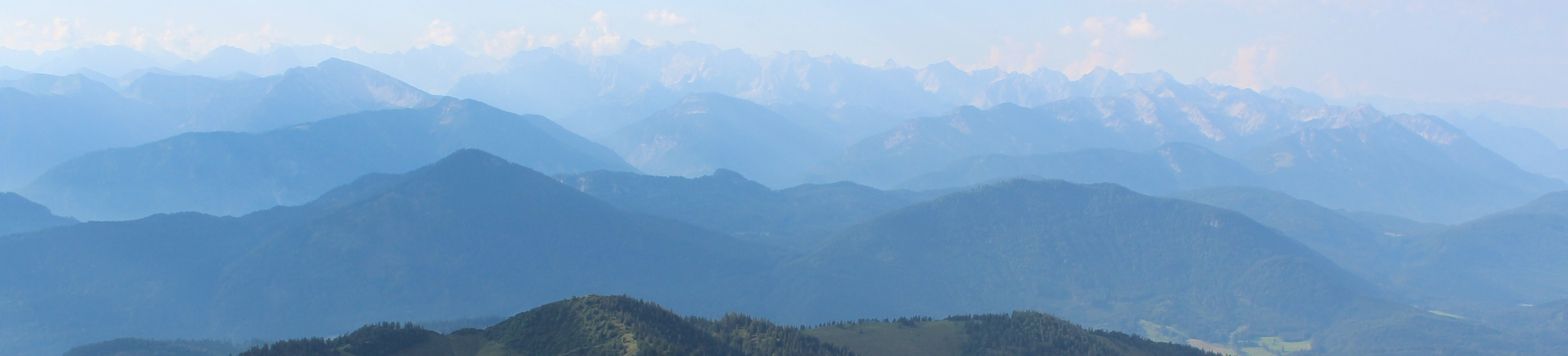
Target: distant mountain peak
x=471 y=157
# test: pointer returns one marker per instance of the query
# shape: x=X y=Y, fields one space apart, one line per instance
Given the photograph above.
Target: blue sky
x=1452 y=51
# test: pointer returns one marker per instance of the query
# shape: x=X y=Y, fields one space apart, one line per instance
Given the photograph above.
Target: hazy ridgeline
x=319 y=195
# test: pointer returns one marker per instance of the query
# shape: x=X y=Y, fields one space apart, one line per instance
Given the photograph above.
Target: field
x=938 y=337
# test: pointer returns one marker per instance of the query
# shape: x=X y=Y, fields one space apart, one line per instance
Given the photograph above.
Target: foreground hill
x=597 y=325
x=229 y=173
x=591 y=325
x=17 y=214
x=469 y=235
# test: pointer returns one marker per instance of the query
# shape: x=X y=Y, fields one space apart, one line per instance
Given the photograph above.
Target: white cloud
x=1140 y=27
x=1017 y=57
x=600 y=19
x=664 y=18
x=438 y=33
x=1095 y=25
x=39 y=37
x=1108 y=42
x=1253 y=67
x=606 y=42
x=506 y=43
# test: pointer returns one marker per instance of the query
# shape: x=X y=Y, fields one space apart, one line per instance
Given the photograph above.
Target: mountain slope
x=153 y=276
x=331 y=88
x=234 y=173
x=17 y=214
x=45 y=120
x=1363 y=160
x=1509 y=258
x=1351 y=244
x=705 y=132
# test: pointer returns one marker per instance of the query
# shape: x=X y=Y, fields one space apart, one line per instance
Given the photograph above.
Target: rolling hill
x=798 y=218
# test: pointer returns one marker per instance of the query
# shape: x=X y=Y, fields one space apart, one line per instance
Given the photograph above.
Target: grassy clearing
x=1162 y=333
x=939 y=337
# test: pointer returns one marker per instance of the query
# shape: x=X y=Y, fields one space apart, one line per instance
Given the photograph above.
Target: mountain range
x=1357 y=159
x=48 y=119
x=233 y=173
x=469 y=235
x=291 y=194
x=474 y=235
x=299 y=95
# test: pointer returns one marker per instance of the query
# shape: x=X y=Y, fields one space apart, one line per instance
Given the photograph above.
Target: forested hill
x=618 y=325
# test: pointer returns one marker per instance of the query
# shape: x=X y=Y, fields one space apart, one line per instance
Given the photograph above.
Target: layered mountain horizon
x=783 y=203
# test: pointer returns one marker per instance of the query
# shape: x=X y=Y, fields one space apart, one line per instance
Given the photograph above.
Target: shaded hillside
x=229 y=173
x=1365 y=249
x=154 y=276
